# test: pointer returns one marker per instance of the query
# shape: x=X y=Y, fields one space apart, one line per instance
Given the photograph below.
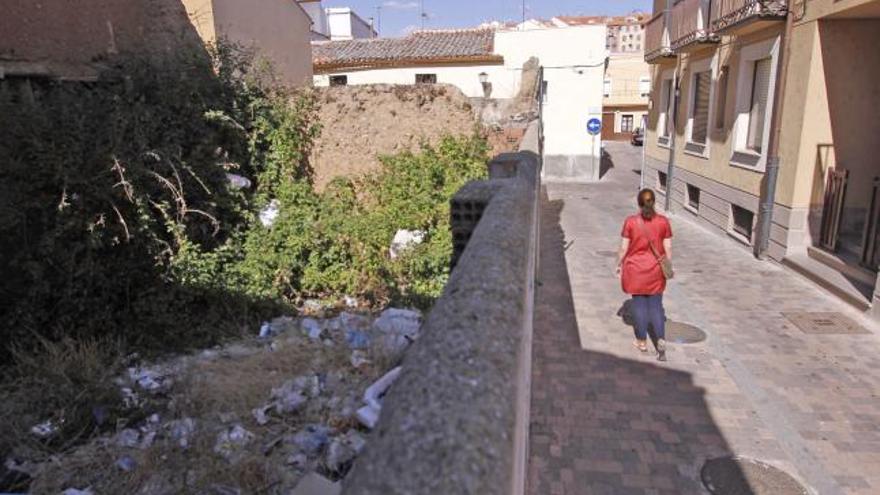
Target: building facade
x=626 y=90
x=280 y=30
x=489 y=63
x=758 y=103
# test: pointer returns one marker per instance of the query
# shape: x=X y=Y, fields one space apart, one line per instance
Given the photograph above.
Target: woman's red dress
x=641 y=273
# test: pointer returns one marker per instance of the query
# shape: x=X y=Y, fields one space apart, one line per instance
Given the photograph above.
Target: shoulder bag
x=665 y=263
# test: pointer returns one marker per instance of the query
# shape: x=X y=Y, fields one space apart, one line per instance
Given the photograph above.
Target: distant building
x=278 y=29
x=345 y=24
x=626 y=33
x=337 y=23
x=489 y=62
x=320 y=27
x=626 y=92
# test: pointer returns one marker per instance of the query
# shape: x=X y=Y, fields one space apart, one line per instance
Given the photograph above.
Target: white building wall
x=573 y=59
x=505 y=81
x=344 y=24
x=318 y=16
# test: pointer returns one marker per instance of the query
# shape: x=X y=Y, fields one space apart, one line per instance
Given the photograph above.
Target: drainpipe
x=768 y=184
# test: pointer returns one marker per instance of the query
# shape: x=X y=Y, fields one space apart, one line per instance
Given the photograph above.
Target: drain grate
x=741 y=476
x=683 y=333
x=825 y=323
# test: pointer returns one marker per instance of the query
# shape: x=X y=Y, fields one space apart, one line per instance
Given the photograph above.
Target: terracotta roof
x=441 y=46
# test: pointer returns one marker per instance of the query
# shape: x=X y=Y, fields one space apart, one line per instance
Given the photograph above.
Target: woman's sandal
x=661 y=350
x=641 y=345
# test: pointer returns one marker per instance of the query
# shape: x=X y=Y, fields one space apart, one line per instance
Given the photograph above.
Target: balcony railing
x=657 y=38
x=727 y=14
x=689 y=24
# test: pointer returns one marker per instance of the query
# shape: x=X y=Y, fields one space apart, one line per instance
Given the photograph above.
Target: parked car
x=637 y=137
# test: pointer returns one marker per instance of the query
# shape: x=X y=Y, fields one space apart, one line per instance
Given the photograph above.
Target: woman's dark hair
x=646 y=200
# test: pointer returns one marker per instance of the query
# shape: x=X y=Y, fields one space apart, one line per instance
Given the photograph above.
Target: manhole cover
x=682 y=333
x=740 y=476
x=824 y=323
x=606 y=253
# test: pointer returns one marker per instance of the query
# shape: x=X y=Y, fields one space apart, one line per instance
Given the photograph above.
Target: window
x=644 y=86
x=607 y=88
x=743 y=220
x=702 y=82
x=338 y=80
x=664 y=124
x=426 y=78
x=626 y=123
x=758 y=107
x=661 y=181
x=721 y=100
x=693 y=197
x=754 y=101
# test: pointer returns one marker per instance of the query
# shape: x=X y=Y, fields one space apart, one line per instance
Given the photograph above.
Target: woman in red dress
x=640 y=272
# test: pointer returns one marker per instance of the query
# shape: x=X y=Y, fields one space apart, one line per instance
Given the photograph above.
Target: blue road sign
x=594 y=126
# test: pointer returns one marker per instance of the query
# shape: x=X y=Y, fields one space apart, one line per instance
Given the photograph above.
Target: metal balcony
x=689 y=25
x=657 y=38
x=729 y=14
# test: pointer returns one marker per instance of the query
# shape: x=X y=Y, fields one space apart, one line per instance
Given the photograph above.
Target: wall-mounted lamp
x=487 y=86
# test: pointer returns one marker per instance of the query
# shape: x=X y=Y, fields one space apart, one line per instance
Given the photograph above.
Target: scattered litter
x=288 y=398
x=238 y=182
x=148 y=440
x=350 y=301
x=180 y=430
x=297 y=460
x=357 y=339
x=369 y=414
x=261 y=414
x=232 y=440
x=126 y=463
x=130 y=398
x=151 y=380
x=128 y=438
x=45 y=429
x=311 y=327
x=403 y=240
x=265 y=330
x=359 y=358
x=343 y=450
x=270 y=446
x=269 y=214
x=311 y=440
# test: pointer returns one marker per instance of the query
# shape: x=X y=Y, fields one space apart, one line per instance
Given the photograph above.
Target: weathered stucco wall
x=72 y=39
x=280 y=29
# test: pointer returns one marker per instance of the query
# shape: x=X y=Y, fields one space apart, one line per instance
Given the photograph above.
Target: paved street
x=608 y=420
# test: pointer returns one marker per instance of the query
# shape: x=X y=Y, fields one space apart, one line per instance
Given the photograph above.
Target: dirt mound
x=362 y=122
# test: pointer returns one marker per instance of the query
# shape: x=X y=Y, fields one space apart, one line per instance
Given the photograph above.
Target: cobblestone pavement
x=606 y=419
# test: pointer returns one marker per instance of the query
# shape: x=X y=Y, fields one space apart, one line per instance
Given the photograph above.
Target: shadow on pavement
x=601 y=424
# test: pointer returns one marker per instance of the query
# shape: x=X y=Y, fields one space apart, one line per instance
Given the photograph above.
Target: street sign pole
x=594 y=127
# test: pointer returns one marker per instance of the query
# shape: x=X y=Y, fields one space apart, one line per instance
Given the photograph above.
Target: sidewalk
x=608 y=420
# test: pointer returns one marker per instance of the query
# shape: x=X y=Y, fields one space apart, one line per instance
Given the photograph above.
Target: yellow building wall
x=279 y=29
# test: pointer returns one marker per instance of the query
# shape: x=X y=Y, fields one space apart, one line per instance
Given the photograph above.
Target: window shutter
x=758 y=110
x=703 y=84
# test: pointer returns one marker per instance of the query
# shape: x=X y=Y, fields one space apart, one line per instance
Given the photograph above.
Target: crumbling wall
x=359 y=123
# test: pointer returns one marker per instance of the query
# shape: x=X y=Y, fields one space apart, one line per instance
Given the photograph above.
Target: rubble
x=270 y=213
x=45 y=429
x=129 y=438
x=311 y=440
x=126 y=463
x=181 y=431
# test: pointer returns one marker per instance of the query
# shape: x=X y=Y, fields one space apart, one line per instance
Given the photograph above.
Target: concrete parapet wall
x=456 y=421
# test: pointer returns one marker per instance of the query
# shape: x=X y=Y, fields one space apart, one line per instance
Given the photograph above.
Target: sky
x=402 y=16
